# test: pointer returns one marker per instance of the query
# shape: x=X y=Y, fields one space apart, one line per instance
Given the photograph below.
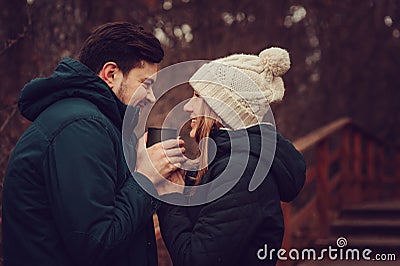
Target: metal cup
x=155 y=135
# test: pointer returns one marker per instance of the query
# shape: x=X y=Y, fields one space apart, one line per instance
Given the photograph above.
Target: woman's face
x=195 y=108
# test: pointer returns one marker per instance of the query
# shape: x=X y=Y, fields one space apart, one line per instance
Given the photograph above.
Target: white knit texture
x=242 y=86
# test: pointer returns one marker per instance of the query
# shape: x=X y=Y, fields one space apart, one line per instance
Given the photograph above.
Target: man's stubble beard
x=122 y=93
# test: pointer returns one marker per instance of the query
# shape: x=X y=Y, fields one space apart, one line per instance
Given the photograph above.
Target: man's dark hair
x=120 y=42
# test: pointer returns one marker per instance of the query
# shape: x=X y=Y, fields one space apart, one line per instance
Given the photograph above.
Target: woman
x=231 y=95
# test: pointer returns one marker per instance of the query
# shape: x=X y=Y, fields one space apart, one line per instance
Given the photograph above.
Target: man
x=69 y=198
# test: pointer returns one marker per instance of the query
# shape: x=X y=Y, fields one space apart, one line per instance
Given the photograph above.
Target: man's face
x=136 y=87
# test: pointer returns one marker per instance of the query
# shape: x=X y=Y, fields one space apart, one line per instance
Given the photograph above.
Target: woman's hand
x=175 y=183
x=178 y=177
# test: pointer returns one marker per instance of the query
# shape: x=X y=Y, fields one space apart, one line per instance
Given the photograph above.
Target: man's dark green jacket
x=69 y=198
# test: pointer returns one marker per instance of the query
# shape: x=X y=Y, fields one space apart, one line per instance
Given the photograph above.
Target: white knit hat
x=239 y=88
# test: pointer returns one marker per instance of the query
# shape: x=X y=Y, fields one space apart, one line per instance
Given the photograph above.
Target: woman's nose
x=188 y=106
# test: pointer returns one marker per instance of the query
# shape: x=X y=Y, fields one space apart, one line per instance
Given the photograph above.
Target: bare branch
x=3 y=126
x=11 y=42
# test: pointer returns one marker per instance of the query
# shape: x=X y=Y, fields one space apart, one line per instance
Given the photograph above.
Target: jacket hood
x=70 y=79
x=288 y=167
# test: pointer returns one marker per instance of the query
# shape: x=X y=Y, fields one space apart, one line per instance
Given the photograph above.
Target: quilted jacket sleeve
x=224 y=227
x=96 y=214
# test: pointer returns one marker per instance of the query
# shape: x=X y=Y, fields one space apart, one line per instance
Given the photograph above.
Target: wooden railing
x=345 y=165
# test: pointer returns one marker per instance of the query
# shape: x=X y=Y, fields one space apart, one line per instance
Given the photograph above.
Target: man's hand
x=160 y=160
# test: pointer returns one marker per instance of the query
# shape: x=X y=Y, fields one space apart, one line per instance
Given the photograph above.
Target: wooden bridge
x=350 y=192
x=352 y=181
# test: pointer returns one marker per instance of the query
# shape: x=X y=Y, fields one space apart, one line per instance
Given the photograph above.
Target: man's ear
x=109 y=73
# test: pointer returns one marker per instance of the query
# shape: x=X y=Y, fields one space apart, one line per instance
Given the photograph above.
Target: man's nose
x=150 y=96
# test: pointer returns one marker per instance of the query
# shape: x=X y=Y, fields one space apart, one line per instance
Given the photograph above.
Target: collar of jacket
x=71 y=79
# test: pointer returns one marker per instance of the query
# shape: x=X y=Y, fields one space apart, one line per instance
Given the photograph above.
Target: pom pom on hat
x=275 y=60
